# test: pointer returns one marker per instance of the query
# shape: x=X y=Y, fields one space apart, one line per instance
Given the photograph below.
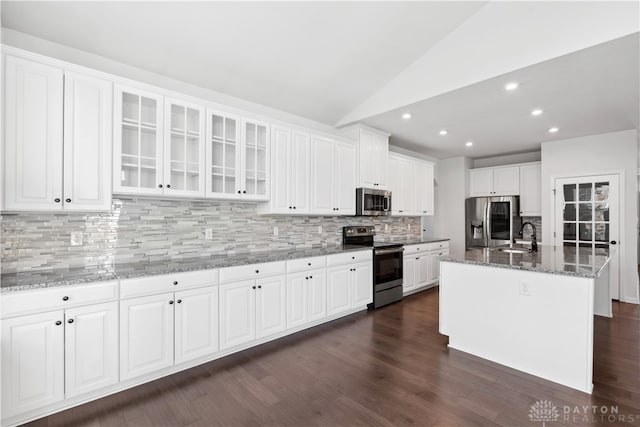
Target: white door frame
x=622 y=262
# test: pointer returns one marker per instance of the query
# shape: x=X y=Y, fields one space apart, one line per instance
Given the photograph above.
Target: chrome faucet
x=534 y=244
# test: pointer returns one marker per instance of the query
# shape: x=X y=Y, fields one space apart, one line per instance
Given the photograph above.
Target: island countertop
x=562 y=260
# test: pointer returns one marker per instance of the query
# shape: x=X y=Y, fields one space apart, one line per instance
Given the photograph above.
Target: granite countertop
x=422 y=241
x=10 y=282
x=560 y=260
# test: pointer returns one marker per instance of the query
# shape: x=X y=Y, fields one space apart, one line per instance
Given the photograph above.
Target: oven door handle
x=385 y=204
x=387 y=251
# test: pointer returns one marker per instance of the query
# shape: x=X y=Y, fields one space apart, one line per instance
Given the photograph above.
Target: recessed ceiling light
x=406 y=116
x=536 y=112
x=553 y=130
x=469 y=143
x=511 y=86
x=443 y=132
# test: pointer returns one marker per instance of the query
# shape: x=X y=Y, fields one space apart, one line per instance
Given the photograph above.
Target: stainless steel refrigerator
x=492 y=221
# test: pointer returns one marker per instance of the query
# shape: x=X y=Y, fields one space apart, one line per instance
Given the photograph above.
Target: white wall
x=599 y=154
x=451 y=189
x=509 y=159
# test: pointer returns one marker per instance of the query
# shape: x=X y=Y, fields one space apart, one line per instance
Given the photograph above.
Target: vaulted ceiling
x=345 y=62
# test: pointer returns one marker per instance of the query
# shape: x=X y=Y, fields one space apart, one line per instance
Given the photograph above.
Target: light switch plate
x=275 y=231
x=319 y=229
x=76 y=238
x=525 y=289
x=386 y=228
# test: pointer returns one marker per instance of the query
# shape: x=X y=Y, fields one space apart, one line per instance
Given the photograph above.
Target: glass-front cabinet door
x=223 y=155
x=255 y=160
x=138 y=142
x=184 y=150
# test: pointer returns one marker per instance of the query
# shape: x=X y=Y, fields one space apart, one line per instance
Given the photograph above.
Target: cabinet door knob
x=613 y=242
x=290 y=207
x=244 y=192
x=417 y=257
x=58 y=323
x=159 y=185
x=257 y=271
x=57 y=200
x=294 y=207
x=239 y=192
x=175 y=282
x=309 y=264
x=170 y=302
x=353 y=257
x=70 y=321
x=306 y=278
x=253 y=287
x=65 y=298
x=168 y=185
x=67 y=200
x=310 y=277
x=259 y=286
x=179 y=301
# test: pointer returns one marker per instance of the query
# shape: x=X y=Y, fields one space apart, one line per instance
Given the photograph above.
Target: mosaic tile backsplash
x=139 y=230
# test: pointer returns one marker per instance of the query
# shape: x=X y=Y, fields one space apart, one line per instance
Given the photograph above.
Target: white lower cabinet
x=49 y=356
x=408 y=273
x=196 y=323
x=146 y=335
x=306 y=297
x=251 y=309
x=349 y=286
x=91 y=343
x=421 y=265
x=153 y=327
x=32 y=362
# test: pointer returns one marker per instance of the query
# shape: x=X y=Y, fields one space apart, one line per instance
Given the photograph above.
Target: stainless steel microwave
x=372 y=202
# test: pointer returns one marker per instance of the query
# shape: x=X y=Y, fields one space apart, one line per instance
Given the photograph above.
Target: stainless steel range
x=387 y=264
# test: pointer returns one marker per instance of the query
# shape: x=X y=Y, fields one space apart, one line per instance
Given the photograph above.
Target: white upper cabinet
x=57 y=142
x=412 y=186
x=344 y=178
x=322 y=188
x=499 y=181
x=290 y=172
x=184 y=149
x=138 y=151
x=237 y=152
x=372 y=157
x=33 y=132
x=223 y=155
x=530 y=190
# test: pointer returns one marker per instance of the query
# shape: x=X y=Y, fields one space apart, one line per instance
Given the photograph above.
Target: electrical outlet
x=319 y=229
x=275 y=231
x=76 y=238
x=525 y=289
x=408 y=227
x=386 y=228
x=208 y=233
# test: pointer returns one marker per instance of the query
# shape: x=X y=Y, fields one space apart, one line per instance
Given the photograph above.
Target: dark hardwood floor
x=389 y=367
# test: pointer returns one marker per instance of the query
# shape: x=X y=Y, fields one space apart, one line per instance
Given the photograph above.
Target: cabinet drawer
x=252 y=271
x=438 y=245
x=303 y=264
x=141 y=286
x=40 y=300
x=349 y=258
x=414 y=249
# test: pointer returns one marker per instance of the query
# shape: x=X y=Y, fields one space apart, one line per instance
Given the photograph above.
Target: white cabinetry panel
x=33 y=135
x=271 y=305
x=530 y=190
x=196 y=323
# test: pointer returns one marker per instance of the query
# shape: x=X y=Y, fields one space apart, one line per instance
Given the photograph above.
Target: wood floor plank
x=389 y=367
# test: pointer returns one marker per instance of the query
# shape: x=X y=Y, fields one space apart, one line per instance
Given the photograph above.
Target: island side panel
x=602 y=294
x=538 y=323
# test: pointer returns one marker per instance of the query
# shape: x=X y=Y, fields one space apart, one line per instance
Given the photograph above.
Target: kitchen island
x=529 y=311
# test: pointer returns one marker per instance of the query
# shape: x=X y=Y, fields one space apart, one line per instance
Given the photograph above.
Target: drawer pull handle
x=58 y=323
x=70 y=321
x=65 y=298
x=257 y=271
x=309 y=264
x=175 y=282
x=353 y=257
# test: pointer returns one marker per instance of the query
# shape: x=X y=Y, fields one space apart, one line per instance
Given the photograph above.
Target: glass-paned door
x=587 y=212
x=223 y=155
x=138 y=142
x=256 y=158
x=184 y=149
